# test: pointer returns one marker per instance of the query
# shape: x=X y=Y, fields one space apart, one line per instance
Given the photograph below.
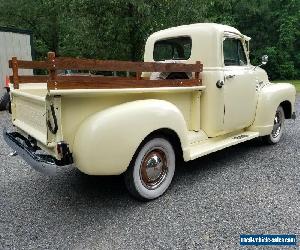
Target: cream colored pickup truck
x=175 y=107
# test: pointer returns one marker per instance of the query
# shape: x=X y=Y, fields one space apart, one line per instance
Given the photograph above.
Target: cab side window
x=234 y=54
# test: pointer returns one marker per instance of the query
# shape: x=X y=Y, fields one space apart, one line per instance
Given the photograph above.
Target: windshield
x=234 y=53
x=178 y=48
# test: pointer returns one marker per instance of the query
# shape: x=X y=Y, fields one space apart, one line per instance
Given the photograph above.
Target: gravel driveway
x=249 y=188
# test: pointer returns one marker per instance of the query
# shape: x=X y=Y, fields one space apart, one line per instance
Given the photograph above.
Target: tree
x=112 y=29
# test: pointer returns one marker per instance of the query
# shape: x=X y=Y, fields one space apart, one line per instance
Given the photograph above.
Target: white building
x=13 y=42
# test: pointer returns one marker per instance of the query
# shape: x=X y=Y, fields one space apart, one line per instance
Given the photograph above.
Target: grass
x=295 y=82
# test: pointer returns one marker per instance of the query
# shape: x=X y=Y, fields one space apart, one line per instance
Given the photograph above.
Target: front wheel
x=152 y=169
x=278 y=127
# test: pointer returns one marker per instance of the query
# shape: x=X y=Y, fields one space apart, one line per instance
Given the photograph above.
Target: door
x=240 y=96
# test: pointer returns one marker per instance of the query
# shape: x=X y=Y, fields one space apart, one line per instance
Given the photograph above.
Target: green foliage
x=118 y=29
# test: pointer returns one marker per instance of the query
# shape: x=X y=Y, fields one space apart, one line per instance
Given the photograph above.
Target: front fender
x=270 y=97
x=106 y=142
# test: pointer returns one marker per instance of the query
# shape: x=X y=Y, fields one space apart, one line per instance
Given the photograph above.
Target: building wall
x=13 y=43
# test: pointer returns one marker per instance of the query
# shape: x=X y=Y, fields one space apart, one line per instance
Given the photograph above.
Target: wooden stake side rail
x=56 y=81
x=104 y=83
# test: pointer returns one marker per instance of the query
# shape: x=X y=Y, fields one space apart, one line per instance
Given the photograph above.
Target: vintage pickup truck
x=195 y=93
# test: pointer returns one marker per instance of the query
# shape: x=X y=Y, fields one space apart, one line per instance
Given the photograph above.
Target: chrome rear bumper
x=43 y=163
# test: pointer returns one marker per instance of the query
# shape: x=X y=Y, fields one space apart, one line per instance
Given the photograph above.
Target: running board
x=215 y=144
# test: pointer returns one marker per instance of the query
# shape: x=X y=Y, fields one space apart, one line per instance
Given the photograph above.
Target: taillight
x=7 y=82
x=61 y=148
x=64 y=155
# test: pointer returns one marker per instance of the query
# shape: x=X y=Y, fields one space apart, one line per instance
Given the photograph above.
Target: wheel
x=151 y=170
x=278 y=127
x=5 y=102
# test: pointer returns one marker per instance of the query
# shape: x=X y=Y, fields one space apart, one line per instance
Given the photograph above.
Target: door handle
x=219 y=84
x=229 y=76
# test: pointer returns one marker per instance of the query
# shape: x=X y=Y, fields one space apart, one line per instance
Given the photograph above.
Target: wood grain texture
x=52 y=70
x=33 y=79
x=109 y=65
x=15 y=71
x=104 y=83
x=55 y=81
x=31 y=64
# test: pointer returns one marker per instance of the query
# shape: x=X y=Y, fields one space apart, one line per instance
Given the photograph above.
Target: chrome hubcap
x=277 y=124
x=154 y=168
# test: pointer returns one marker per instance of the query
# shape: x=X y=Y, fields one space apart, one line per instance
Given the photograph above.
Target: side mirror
x=264 y=60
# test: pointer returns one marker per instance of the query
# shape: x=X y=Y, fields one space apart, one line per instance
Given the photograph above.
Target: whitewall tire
x=151 y=170
x=278 y=127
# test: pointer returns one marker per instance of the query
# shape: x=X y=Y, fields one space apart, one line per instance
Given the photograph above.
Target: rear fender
x=106 y=142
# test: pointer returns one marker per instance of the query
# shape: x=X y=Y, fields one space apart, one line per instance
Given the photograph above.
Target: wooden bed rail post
x=52 y=83
x=15 y=70
x=197 y=73
x=138 y=75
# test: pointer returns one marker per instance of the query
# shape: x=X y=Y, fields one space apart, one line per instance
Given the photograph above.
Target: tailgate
x=29 y=110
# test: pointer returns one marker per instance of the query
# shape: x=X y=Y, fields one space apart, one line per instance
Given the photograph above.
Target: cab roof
x=194 y=28
x=207 y=39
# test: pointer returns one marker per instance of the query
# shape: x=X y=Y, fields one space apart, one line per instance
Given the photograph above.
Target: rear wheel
x=152 y=170
x=278 y=127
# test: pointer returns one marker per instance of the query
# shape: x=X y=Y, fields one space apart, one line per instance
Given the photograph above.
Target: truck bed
x=31 y=106
x=48 y=109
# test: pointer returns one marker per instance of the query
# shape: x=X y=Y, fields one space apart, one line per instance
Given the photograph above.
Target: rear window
x=178 y=48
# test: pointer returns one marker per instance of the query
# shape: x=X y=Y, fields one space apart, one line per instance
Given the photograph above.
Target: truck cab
x=232 y=84
x=198 y=94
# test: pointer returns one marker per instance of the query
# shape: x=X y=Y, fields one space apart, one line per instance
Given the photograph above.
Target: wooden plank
x=33 y=79
x=87 y=79
x=52 y=70
x=30 y=64
x=90 y=64
x=15 y=71
x=112 y=80
x=104 y=83
x=91 y=78
x=108 y=65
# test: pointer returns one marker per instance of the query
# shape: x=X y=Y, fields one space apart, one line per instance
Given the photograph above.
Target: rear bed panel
x=29 y=114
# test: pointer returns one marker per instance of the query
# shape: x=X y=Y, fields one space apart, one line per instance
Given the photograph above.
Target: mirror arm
x=264 y=60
